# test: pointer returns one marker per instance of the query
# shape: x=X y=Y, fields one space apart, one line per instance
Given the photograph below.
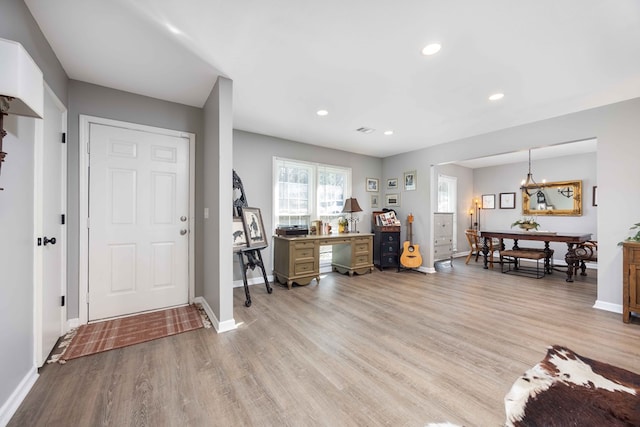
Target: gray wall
x=218 y=190
x=17 y=24
x=17 y=210
x=253 y=161
x=99 y=101
x=16 y=255
x=615 y=126
x=507 y=178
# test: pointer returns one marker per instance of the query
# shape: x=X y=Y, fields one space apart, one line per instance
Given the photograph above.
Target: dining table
x=571 y=239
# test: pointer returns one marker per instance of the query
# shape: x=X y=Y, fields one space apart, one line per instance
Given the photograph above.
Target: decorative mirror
x=553 y=198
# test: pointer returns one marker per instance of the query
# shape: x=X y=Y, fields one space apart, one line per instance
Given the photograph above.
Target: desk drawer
x=335 y=241
x=304 y=245
x=303 y=267
x=362 y=247
x=361 y=259
x=303 y=253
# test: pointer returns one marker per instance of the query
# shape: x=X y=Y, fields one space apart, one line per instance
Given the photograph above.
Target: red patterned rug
x=117 y=333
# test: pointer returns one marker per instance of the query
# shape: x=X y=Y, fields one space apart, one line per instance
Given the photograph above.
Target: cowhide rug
x=566 y=389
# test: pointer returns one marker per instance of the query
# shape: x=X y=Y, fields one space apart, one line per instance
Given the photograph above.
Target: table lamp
x=350 y=206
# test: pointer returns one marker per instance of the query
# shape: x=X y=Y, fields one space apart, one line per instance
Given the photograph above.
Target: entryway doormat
x=117 y=333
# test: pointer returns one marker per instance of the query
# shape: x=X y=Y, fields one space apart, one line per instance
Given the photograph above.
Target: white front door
x=138 y=221
x=50 y=230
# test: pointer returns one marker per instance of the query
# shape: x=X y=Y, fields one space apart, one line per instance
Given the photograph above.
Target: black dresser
x=386 y=246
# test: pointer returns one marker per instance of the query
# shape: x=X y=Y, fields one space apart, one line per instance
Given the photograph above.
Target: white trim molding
x=13 y=402
x=228 y=325
x=83 y=266
x=607 y=306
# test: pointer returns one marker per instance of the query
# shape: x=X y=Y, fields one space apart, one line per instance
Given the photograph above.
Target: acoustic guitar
x=410 y=257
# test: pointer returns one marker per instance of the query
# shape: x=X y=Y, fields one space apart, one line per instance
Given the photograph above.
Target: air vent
x=365 y=130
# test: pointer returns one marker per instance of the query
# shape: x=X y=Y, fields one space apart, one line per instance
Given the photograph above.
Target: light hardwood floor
x=387 y=348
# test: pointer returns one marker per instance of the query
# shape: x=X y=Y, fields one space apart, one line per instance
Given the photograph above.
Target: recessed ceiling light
x=496 y=96
x=388 y=132
x=322 y=113
x=431 y=49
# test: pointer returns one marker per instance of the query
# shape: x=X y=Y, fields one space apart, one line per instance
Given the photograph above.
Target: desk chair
x=475 y=246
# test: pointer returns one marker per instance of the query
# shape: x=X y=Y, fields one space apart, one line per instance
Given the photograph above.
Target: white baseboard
x=72 y=324
x=227 y=325
x=13 y=402
x=607 y=306
x=252 y=281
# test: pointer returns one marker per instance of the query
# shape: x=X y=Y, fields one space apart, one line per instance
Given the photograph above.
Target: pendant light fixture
x=529 y=185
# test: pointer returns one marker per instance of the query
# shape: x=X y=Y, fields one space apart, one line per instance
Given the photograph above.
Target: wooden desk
x=297 y=259
x=571 y=239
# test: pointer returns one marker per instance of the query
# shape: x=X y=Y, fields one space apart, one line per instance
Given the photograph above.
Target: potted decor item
x=343 y=223
x=634 y=238
x=526 y=224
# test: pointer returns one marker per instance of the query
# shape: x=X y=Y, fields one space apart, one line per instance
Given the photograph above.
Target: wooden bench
x=511 y=258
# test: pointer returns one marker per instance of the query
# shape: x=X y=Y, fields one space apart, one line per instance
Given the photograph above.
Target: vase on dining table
x=527 y=227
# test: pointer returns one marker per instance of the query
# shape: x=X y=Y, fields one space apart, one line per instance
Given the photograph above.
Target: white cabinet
x=442 y=236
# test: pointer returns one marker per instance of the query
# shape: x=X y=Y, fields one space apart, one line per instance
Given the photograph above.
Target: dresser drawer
x=442 y=251
x=442 y=240
x=390 y=237
x=388 y=260
x=390 y=248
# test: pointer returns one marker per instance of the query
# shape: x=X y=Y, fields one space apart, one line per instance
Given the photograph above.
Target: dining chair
x=475 y=246
x=585 y=252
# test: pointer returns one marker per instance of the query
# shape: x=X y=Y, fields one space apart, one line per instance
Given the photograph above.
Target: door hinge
x=62 y=219
x=39 y=241
x=64 y=137
x=62 y=301
x=88 y=147
x=87 y=298
x=88 y=222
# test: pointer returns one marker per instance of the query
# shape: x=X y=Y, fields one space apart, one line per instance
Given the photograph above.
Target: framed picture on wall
x=372 y=184
x=392 y=183
x=488 y=201
x=507 y=200
x=392 y=200
x=410 y=180
x=253 y=228
x=374 y=201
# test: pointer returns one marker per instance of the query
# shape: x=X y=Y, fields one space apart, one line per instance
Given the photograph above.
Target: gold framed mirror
x=553 y=198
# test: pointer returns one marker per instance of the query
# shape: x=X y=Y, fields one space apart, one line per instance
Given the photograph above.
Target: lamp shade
x=351 y=205
x=21 y=79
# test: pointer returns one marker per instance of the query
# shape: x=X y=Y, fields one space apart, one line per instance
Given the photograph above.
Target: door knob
x=47 y=241
x=183 y=218
x=183 y=232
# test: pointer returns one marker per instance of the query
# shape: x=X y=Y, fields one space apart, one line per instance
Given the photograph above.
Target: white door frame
x=38 y=203
x=85 y=123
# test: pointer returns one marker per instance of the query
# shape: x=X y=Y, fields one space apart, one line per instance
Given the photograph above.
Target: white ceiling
x=358 y=59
